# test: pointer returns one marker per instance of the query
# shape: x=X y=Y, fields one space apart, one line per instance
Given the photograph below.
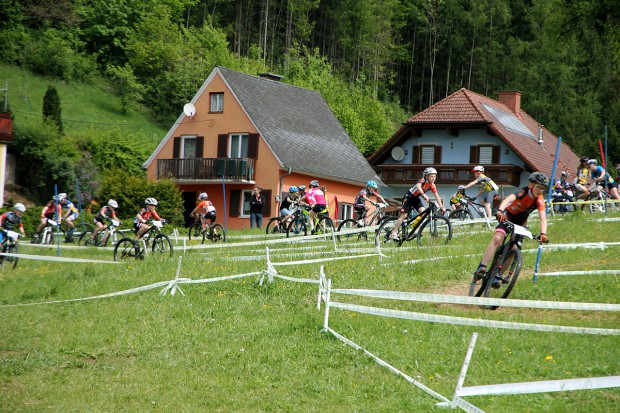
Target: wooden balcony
x=449 y=174
x=239 y=170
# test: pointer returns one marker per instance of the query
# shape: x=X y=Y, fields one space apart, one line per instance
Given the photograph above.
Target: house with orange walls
x=242 y=131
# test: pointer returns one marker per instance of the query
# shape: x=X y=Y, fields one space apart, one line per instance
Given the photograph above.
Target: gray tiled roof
x=300 y=128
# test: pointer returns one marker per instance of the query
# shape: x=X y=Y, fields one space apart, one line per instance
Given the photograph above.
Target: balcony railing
x=449 y=174
x=236 y=169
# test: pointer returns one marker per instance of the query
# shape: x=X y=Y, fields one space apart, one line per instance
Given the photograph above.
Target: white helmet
x=19 y=207
x=150 y=201
x=203 y=195
x=478 y=168
x=112 y=203
x=429 y=171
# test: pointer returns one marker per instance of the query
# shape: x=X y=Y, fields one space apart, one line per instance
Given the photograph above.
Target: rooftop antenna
x=540 y=135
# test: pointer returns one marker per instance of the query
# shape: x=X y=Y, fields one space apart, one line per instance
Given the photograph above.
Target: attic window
x=510 y=121
x=217 y=103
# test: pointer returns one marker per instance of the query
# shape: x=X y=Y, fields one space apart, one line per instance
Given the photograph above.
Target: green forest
x=376 y=62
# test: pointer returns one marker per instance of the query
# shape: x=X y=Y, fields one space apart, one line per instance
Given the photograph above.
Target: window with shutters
x=245 y=202
x=484 y=154
x=427 y=154
x=217 y=103
x=188 y=147
x=238 y=145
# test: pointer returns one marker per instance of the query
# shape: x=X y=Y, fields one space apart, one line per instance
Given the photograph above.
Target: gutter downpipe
x=289 y=173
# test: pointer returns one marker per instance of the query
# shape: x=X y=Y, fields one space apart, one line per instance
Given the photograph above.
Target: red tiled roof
x=466 y=107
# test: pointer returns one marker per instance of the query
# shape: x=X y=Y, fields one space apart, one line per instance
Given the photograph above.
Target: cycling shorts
x=515 y=219
x=411 y=202
x=318 y=208
x=488 y=197
x=608 y=185
x=210 y=215
x=72 y=216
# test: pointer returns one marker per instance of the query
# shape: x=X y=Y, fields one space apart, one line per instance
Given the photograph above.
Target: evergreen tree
x=52 y=113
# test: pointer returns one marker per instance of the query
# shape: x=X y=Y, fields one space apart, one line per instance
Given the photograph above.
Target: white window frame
x=216 y=104
x=246 y=194
x=238 y=151
x=487 y=159
x=424 y=154
x=347 y=211
x=184 y=139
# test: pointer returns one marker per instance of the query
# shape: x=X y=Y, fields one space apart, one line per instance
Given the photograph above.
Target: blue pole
x=551 y=182
x=225 y=209
x=58 y=217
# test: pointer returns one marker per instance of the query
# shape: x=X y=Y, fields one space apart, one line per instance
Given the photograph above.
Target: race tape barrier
x=434 y=318
x=58 y=259
x=541 y=386
x=594 y=272
x=459 y=299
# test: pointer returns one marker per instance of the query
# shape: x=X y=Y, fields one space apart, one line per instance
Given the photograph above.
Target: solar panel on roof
x=510 y=121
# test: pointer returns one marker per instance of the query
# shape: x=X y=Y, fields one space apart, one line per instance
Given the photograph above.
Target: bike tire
x=195 y=231
x=216 y=233
x=162 y=245
x=85 y=241
x=382 y=235
x=13 y=249
x=348 y=224
x=460 y=215
x=275 y=226
x=126 y=248
x=296 y=227
x=437 y=231
x=508 y=271
x=324 y=226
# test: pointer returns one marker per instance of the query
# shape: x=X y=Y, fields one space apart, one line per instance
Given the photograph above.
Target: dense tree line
x=375 y=61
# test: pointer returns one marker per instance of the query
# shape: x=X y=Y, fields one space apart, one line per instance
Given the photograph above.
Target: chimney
x=271 y=76
x=512 y=99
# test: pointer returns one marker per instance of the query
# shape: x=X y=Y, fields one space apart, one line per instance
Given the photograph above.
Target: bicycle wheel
x=349 y=224
x=324 y=226
x=85 y=239
x=216 y=233
x=162 y=245
x=195 y=231
x=274 y=226
x=437 y=231
x=296 y=227
x=507 y=272
x=382 y=235
x=48 y=237
x=460 y=215
x=9 y=261
x=126 y=248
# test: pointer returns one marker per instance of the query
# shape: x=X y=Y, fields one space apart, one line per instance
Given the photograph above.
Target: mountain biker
x=487 y=186
x=581 y=181
x=412 y=197
x=288 y=202
x=70 y=215
x=9 y=220
x=516 y=208
x=106 y=213
x=316 y=199
x=601 y=177
x=204 y=209
x=561 y=185
x=457 y=198
x=146 y=213
x=51 y=210
x=359 y=205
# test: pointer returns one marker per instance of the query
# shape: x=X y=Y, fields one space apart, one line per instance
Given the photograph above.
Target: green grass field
x=235 y=346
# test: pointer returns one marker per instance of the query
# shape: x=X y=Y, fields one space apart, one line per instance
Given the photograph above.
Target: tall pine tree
x=52 y=112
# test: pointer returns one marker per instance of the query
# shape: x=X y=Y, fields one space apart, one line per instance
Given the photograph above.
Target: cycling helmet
x=112 y=203
x=584 y=159
x=203 y=195
x=478 y=168
x=302 y=187
x=150 y=201
x=372 y=184
x=429 y=171
x=564 y=173
x=293 y=189
x=539 y=178
x=314 y=184
x=19 y=207
x=461 y=188
x=592 y=162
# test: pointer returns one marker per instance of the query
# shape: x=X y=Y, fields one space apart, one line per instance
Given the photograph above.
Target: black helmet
x=584 y=159
x=539 y=178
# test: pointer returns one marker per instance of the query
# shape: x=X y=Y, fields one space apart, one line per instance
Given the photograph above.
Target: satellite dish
x=189 y=109
x=398 y=153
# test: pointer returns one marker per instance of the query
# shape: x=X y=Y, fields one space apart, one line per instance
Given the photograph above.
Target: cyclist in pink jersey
x=316 y=199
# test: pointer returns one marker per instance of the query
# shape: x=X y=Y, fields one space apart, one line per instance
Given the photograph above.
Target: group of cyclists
x=589 y=179
x=314 y=201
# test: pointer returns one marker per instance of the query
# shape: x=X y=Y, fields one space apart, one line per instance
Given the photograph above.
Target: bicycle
x=375 y=218
x=428 y=228
x=463 y=212
x=102 y=238
x=132 y=248
x=558 y=200
x=598 y=193
x=276 y=225
x=47 y=235
x=70 y=237
x=503 y=272
x=298 y=224
x=213 y=232
x=9 y=246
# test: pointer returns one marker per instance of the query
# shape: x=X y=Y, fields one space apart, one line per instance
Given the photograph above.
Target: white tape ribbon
x=541 y=386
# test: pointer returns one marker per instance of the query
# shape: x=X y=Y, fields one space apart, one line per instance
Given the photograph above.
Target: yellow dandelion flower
x=549 y=358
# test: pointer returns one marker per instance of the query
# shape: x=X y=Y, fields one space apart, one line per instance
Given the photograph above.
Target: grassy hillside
x=84 y=106
x=235 y=346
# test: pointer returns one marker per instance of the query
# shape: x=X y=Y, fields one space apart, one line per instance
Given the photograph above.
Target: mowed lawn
x=236 y=346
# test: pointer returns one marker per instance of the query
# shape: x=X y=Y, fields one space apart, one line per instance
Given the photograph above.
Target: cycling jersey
x=582 y=175
x=360 y=201
x=486 y=183
x=426 y=185
x=145 y=214
x=206 y=206
x=105 y=213
x=10 y=220
x=519 y=210
x=457 y=198
x=315 y=197
x=68 y=205
x=598 y=171
x=50 y=209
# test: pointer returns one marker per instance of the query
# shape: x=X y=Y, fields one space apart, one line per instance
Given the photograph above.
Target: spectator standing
x=256 y=208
